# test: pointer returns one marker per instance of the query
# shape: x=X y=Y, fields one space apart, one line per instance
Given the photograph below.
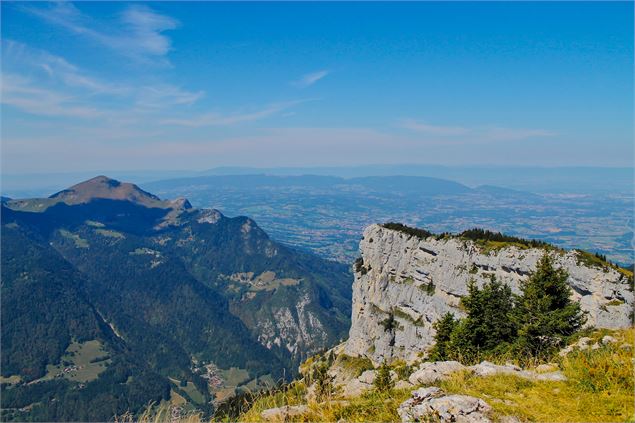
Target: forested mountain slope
x=106 y=286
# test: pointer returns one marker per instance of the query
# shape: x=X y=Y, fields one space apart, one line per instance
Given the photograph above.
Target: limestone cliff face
x=406 y=283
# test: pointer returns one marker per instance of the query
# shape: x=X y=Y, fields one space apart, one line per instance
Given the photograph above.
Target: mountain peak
x=103 y=187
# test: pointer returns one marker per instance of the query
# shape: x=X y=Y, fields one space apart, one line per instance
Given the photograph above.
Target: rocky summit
x=405 y=281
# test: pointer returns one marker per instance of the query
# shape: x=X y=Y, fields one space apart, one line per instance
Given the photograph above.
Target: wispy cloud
x=162 y=95
x=20 y=57
x=425 y=128
x=311 y=78
x=20 y=92
x=54 y=81
x=483 y=133
x=219 y=119
x=138 y=33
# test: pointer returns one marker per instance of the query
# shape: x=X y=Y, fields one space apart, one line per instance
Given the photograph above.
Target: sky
x=159 y=85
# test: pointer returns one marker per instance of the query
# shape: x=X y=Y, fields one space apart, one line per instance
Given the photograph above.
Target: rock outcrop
x=404 y=283
x=431 y=404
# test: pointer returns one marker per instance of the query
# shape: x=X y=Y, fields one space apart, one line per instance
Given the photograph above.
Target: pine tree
x=545 y=313
x=383 y=382
x=488 y=327
x=444 y=328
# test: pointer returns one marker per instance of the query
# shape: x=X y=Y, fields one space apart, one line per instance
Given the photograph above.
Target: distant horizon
x=555 y=179
x=105 y=172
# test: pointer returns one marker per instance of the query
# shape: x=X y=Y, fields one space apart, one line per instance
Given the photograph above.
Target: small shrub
x=383 y=382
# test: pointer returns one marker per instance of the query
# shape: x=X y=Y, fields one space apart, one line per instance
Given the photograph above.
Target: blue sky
x=133 y=86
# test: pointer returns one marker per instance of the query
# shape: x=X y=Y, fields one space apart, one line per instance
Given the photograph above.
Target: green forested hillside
x=113 y=299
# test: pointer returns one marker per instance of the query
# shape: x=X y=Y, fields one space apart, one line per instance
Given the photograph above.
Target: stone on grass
x=608 y=339
x=433 y=371
x=431 y=404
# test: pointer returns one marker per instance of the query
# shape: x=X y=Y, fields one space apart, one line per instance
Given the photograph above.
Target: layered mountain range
x=112 y=297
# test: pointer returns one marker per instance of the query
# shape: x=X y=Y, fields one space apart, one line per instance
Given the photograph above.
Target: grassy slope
x=599 y=389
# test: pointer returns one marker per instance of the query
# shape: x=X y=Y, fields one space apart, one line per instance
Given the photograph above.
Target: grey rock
x=433 y=371
x=416 y=281
x=486 y=368
x=403 y=384
x=431 y=404
x=608 y=339
x=359 y=385
x=368 y=376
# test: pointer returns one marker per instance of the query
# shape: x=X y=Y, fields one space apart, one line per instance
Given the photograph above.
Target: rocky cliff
x=404 y=283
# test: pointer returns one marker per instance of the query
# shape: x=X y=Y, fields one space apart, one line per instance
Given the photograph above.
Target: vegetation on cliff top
x=493 y=241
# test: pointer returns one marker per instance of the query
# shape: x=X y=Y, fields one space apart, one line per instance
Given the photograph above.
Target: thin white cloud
x=138 y=33
x=425 y=128
x=58 y=81
x=19 y=57
x=20 y=92
x=474 y=134
x=311 y=78
x=158 y=96
x=219 y=119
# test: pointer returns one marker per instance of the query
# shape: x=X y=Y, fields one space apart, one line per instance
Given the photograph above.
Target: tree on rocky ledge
x=532 y=324
x=544 y=312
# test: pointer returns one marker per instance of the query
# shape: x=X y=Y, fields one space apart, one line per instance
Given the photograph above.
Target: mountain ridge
x=189 y=294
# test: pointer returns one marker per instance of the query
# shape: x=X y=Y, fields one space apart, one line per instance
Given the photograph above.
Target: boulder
x=403 y=384
x=485 y=368
x=359 y=385
x=608 y=339
x=433 y=371
x=431 y=404
x=368 y=377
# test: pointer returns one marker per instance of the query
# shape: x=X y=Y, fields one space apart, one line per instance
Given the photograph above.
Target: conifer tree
x=488 y=327
x=443 y=327
x=383 y=381
x=545 y=313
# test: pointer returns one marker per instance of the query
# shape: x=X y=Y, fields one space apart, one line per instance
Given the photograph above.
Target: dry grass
x=369 y=407
x=599 y=388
